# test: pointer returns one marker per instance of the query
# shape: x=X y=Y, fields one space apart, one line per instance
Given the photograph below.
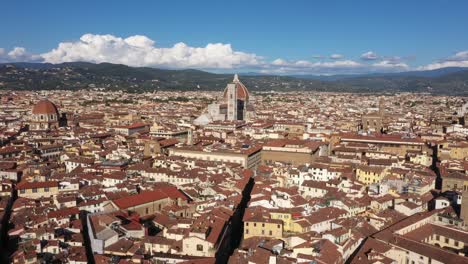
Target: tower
x=190 y=137
x=234 y=105
x=381 y=107
x=236 y=97
x=232 y=101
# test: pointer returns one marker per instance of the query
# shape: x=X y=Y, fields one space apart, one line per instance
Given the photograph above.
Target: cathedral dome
x=44 y=107
x=242 y=92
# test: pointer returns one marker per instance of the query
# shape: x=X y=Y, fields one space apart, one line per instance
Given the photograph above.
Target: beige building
x=372 y=122
x=154 y=147
x=455 y=181
x=246 y=157
x=295 y=152
x=389 y=143
x=35 y=190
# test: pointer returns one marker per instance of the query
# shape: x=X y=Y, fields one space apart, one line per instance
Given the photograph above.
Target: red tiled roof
x=30 y=185
x=44 y=107
x=149 y=196
x=64 y=212
x=242 y=92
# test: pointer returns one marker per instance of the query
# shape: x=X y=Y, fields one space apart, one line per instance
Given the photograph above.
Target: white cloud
x=391 y=64
x=459 y=59
x=370 y=55
x=279 y=62
x=336 y=56
x=18 y=54
x=281 y=66
x=460 y=56
x=141 y=51
x=438 y=65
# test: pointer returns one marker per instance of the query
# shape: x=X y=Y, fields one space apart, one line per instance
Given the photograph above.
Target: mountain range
x=79 y=75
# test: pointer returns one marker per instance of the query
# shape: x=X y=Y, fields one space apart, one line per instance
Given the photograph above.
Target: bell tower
x=232 y=100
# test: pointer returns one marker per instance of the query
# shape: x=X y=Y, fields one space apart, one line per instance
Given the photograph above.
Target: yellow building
x=369 y=175
x=263 y=227
x=288 y=219
x=459 y=151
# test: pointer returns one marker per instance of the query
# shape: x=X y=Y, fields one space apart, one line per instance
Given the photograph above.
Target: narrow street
x=84 y=233
x=6 y=248
x=234 y=237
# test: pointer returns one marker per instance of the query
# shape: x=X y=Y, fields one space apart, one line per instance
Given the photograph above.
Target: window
x=22 y=191
x=246 y=223
x=34 y=190
x=247 y=231
x=271 y=233
x=199 y=247
x=46 y=189
x=446 y=240
x=263 y=232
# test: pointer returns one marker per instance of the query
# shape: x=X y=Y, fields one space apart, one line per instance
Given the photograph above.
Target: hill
x=79 y=75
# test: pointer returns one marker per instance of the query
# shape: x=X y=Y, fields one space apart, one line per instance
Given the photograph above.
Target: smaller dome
x=44 y=107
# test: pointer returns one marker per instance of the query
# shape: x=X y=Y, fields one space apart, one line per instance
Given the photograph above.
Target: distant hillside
x=79 y=75
x=428 y=73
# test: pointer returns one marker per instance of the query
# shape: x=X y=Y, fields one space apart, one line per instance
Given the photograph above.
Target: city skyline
x=212 y=132
x=304 y=38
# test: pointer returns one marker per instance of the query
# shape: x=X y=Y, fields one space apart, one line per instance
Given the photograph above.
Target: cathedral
x=234 y=105
x=45 y=117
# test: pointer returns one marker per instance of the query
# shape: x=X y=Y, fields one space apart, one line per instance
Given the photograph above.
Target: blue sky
x=265 y=36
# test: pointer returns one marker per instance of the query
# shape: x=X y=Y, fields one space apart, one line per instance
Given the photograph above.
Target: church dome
x=242 y=92
x=44 y=107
